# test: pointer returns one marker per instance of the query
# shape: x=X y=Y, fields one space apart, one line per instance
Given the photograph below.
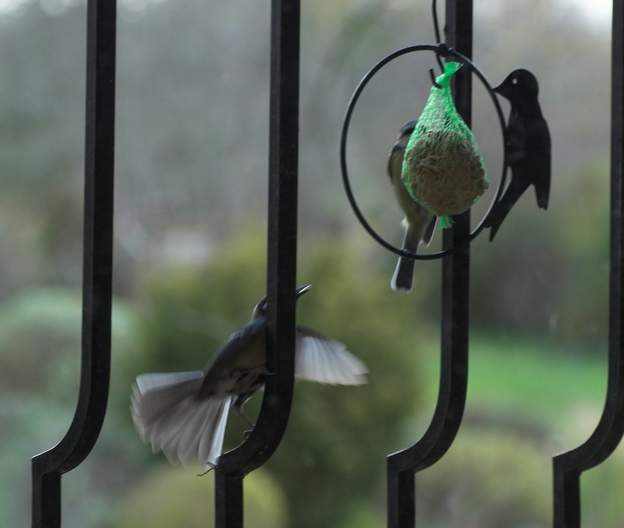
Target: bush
x=175 y=497
x=40 y=347
x=488 y=479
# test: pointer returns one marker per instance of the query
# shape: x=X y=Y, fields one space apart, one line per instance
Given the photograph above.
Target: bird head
x=260 y=309
x=406 y=132
x=403 y=138
x=518 y=85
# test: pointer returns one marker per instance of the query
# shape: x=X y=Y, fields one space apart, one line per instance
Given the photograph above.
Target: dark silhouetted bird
x=419 y=223
x=527 y=148
x=184 y=414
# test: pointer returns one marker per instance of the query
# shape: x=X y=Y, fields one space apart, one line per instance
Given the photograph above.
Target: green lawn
x=528 y=376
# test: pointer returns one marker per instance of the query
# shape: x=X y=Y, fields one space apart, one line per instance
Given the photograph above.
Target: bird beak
x=501 y=89
x=301 y=290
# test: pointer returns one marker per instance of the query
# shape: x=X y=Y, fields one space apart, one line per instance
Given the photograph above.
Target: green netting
x=443 y=169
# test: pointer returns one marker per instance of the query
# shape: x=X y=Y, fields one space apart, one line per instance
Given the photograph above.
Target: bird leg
x=240 y=402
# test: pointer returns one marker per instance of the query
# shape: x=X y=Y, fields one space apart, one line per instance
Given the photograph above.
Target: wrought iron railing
x=83 y=432
x=569 y=466
x=48 y=467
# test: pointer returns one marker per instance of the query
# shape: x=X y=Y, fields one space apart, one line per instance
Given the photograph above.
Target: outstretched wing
x=324 y=360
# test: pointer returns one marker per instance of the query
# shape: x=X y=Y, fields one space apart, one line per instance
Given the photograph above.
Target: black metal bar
x=569 y=466
x=84 y=430
x=401 y=498
x=436 y=32
x=449 y=410
x=228 y=499
x=281 y=269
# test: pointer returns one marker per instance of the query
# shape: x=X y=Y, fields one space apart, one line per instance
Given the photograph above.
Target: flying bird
x=528 y=146
x=419 y=223
x=184 y=414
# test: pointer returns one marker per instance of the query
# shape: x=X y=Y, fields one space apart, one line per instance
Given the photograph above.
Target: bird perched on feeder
x=418 y=222
x=528 y=146
x=184 y=414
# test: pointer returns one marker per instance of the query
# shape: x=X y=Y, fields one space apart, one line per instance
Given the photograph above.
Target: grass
x=528 y=376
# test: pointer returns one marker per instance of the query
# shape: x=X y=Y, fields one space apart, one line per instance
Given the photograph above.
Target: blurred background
x=192 y=124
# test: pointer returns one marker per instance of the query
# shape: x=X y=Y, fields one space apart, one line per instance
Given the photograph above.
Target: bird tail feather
x=403 y=278
x=503 y=207
x=499 y=213
x=168 y=415
x=542 y=195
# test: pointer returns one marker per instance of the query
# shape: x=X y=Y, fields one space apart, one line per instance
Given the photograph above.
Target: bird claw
x=239 y=411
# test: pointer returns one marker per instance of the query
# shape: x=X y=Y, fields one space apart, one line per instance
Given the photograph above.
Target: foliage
x=175 y=497
x=337 y=433
x=191 y=165
x=40 y=355
x=487 y=480
x=182 y=166
x=39 y=331
x=601 y=493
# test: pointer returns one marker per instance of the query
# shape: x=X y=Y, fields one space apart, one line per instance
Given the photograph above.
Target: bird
x=528 y=146
x=419 y=223
x=184 y=414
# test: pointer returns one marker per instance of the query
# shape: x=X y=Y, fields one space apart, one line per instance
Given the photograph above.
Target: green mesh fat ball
x=443 y=168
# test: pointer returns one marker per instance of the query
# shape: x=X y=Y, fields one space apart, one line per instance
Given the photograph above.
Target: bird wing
x=148 y=382
x=517 y=138
x=539 y=144
x=430 y=231
x=239 y=350
x=395 y=160
x=324 y=360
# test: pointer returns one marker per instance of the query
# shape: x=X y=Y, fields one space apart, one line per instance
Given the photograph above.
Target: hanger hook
x=436 y=30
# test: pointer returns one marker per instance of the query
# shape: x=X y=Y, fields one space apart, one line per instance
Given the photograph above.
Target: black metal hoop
x=443 y=50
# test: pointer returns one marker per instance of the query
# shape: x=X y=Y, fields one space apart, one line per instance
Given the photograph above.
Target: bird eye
x=514 y=80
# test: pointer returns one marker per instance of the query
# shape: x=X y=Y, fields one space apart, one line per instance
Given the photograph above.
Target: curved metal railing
x=281 y=269
x=84 y=430
x=402 y=466
x=568 y=466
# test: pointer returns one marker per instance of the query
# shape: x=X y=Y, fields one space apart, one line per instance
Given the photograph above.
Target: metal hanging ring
x=444 y=50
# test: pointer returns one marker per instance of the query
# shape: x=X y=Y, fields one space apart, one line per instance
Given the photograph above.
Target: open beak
x=301 y=290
